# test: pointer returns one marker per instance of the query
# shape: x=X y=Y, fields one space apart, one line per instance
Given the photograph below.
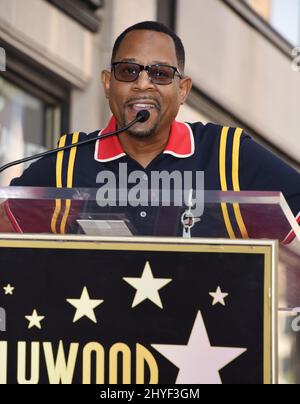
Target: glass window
x=284 y=16
x=26 y=126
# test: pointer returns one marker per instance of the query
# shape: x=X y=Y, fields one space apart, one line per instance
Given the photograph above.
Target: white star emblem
x=9 y=290
x=34 y=320
x=85 y=306
x=199 y=362
x=147 y=287
x=219 y=297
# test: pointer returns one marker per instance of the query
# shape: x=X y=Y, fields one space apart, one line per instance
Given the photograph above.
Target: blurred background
x=239 y=54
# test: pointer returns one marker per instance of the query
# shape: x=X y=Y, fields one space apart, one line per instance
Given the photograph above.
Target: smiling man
x=148 y=73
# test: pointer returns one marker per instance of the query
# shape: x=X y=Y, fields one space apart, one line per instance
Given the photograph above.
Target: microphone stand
x=142 y=116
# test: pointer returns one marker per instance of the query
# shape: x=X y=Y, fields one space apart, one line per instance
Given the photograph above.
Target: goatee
x=143 y=135
x=140 y=134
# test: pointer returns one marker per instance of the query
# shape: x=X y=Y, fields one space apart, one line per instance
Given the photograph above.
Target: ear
x=106 y=77
x=185 y=87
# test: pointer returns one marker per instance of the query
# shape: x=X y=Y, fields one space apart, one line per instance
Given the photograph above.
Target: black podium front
x=88 y=309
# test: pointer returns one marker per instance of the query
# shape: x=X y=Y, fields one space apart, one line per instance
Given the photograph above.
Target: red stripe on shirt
x=12 y=219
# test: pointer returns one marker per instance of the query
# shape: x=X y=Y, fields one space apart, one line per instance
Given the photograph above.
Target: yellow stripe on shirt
x=236 y=181
x=59 y=163
x=70 y=177
x=223 y=180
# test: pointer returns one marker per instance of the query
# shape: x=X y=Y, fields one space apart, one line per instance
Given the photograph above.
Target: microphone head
x=143 y=115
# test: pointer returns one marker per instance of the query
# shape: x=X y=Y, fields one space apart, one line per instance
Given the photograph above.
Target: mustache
x=140 y=99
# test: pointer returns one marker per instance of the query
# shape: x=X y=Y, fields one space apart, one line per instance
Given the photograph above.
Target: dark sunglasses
x=128 y=72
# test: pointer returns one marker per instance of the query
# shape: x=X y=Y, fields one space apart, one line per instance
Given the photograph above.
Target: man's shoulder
x=212 y=132
x=205 y=127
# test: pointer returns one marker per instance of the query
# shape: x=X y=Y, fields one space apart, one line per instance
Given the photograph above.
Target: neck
x=144 y=150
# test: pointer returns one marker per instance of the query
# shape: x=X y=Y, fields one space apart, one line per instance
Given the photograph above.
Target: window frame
x=40 y=82
x=166 y=13
x=250 y=16
x=82 y=11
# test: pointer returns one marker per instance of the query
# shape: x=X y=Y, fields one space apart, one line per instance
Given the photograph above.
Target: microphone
x=142 y=116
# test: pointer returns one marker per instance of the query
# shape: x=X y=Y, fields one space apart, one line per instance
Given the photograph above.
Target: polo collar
x=181 y=143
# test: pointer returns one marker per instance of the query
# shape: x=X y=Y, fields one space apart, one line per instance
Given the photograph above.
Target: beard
x=138 y=134
x=143 y=134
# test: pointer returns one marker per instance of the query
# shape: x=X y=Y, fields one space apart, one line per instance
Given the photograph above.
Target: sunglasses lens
x=127 y=72
x=161 y=74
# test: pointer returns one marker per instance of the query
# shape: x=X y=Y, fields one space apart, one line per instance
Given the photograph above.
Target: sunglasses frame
x=147 y=69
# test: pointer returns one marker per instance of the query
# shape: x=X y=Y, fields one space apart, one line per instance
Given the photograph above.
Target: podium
x=93 y=294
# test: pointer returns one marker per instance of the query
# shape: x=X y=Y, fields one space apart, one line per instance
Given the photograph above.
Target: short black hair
x=158 y=27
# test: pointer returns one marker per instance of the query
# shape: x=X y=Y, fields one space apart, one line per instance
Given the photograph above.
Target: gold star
x=34 y=320
x=85 y=306
x=219 y=297
x=147 y=287
x=9 y=289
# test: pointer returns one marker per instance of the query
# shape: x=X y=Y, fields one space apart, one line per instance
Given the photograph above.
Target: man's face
x=127 y=99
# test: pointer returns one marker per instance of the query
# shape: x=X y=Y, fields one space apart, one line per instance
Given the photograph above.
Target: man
x=147 y=73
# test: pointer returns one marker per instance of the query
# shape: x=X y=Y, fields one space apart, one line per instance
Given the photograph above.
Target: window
x=283 y=16
x=34 y=110
x=26 y=126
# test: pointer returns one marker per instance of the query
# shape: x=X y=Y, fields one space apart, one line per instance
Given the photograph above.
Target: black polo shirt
x=229 y=158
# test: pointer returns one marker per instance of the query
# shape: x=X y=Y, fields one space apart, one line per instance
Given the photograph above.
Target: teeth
x=145 y=106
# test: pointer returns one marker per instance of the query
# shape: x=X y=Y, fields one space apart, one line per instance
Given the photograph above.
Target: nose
x=143 y=82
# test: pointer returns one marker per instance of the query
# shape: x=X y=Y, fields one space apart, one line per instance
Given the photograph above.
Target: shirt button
x=143 y=215
x=145 y=177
